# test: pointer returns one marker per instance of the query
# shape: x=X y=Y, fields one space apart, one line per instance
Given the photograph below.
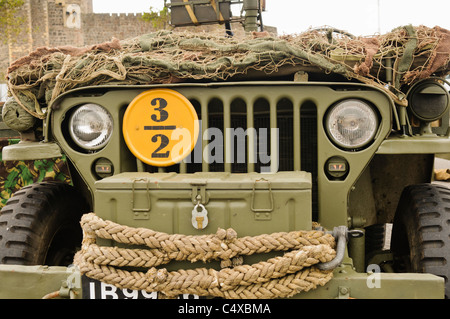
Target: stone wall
x=54 y=23
x=59 y=33
x=98 y=28
x=47 y=23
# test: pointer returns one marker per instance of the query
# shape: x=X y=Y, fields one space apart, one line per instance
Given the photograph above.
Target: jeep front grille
x=297 y=137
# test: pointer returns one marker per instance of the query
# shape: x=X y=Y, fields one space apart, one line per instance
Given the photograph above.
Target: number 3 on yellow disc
x=160 y=127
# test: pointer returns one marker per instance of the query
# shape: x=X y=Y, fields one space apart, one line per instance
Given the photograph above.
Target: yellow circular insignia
x=160 y=127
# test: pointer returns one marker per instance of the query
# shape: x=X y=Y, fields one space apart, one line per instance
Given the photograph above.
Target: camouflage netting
x=36 y=80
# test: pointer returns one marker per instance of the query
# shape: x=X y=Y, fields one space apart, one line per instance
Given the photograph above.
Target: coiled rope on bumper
x=278 y=277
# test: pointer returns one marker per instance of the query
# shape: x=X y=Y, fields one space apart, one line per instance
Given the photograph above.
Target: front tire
x=421 y=230
x=39 y=225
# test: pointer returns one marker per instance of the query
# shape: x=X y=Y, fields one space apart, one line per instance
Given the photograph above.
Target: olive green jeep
x=293 y=180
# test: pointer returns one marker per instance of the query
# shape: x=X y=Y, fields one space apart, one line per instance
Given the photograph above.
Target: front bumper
x=36 y=282
x=347 y=283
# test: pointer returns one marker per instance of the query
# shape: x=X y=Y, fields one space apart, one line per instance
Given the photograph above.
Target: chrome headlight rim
x=104 y=118
x=340 y=139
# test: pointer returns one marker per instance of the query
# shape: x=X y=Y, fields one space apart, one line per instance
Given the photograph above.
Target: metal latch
x=199 y=198
x=199 y=194
x=262 y=213
x=142 y=212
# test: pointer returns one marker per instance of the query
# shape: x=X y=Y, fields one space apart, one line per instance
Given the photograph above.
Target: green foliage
x=10 y=23
x=159 y=19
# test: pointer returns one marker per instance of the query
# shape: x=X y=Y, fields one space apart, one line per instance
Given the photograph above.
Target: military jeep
x=258 y=153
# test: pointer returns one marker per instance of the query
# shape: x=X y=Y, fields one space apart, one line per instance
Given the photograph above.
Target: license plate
x=94 y=289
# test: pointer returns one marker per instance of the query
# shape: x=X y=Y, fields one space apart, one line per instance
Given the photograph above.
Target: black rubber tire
x=421 y=231
x=40 y=225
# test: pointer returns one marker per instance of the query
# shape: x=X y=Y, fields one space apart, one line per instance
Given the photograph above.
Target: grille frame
x=332 y=196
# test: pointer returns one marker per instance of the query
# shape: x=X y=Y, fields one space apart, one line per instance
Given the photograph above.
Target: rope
x=278 y=277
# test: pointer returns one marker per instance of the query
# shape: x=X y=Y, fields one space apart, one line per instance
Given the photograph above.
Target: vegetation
x=159 y=18
x=9 y=22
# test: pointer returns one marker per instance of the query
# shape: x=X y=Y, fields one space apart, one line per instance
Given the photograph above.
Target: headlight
x=428 y=100
x=351 y=124
x=91 y=126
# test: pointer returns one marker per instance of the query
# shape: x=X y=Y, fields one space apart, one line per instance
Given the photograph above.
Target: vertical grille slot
x=308 y=134
x=285 y=124
x=194 y=161
x=261 y=120
x=238 y=124
x=215 y=144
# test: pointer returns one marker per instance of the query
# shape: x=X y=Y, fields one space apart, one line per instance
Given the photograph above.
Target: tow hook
x=341 y=234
